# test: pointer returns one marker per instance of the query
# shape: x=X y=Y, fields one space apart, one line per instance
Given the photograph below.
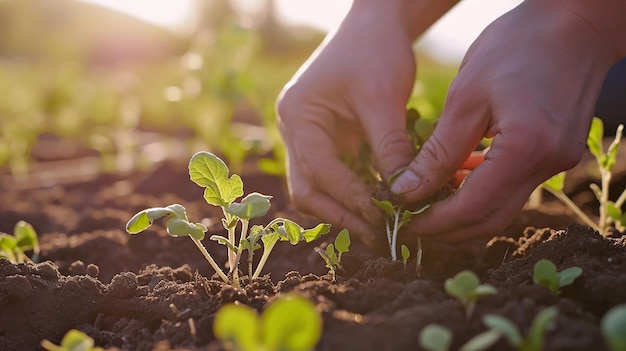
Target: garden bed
x=152 y=291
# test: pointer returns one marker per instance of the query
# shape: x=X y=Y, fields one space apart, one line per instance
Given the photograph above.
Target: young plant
x=610 y=212
x=14 y=247
x=333 y=252
x=502 y=327
x=435 y=337
x=396 y=218
x=405 y=253
x=545 y=273
x=613 y=327
x=290 y=323
x=211 y=173
x=74 y=340
x=466 y=287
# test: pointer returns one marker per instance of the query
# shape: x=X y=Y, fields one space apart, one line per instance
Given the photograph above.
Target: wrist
x=412 y=16
x=605 y=18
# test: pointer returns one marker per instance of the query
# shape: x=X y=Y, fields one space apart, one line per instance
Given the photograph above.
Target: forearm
x=413 y=16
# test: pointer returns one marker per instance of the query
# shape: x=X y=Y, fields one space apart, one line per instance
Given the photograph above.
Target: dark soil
x=155 y=292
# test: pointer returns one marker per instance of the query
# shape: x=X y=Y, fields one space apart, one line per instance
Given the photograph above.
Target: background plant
x=289 y=323
x=14 y=247
x=333 y=252
x=74 y=340
x=610 y=212
x=221 y=189
x=545 y=274
x=466 y=287
x=613 y=327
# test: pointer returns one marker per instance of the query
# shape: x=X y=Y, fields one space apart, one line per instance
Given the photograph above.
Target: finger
x=488 y=200
x=442 y=154
x=313 y=202
x=320 y=165
x=385 y=126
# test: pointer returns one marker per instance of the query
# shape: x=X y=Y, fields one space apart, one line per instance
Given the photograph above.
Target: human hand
x=530 y=81
x=352 y=90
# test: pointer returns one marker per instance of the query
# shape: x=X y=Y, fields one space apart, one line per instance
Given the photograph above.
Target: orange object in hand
x=473 y=161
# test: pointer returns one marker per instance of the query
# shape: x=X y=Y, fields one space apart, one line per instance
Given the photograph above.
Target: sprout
x=74 y=340
x=290 y=323
x=613 y=328
x=466 y=287
x=221 y=189
x=24 y=238
x=545 y=274
x=435 y=337
x=333 y=252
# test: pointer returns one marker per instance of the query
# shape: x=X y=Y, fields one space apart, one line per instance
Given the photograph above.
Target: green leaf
x=386 y=206
x=138 y=223
x=290 y=231
x=210 y=172
x=291 y=323
x=611 y=153
x=252 y=206
x=331 y=254
x=462 y=285
x=407 y=215
x=556 y=182
x=26 y=237
x=179 y=211
x=594 y=139
x=484 y=290
x=544 y=273
x=342 y=241
x=613 y=327
x=405 y=253
x=482 y=341
x=613 y=211
x=435 y=337
x=238 y=324
x=538 y=328
x=74 y=340
x=568 y=275
x=8 y=246
x=180 y=227
x=317 y=231
x=505 y=327
x=269 y=240
x=224 y=241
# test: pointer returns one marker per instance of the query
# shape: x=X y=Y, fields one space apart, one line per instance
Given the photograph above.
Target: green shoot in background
x=466 y=287
x=289 y=323
x=221 y=189
x=74 y=340
x=500 y=326
x=545 y=273
x=610 y=211
x=613 y=327
x=14 y=247
x=333 y=252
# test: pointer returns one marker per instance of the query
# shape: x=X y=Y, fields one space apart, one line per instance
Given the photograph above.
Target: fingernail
x=405 y=182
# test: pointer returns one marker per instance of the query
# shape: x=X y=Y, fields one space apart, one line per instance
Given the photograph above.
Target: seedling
x=396 y=218
x=333 y=252
x=74 y=340
x=435 y=337
x=405 y=253
x=210 y=172
x=545 y=273
x=502 y=327
x=466 y=287
x=290 y=323
x=613 y=328
x=14 y=247
x=610 y=212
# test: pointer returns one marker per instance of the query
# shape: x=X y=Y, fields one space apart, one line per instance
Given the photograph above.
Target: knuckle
x=435 y=155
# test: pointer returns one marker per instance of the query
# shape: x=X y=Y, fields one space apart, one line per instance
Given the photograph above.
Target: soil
x=155 y=292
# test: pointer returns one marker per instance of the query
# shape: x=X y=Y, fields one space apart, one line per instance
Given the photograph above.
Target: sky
x=448 y=39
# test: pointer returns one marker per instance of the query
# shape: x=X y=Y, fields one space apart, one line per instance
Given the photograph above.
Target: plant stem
x=235 y=269
x=394 y=235
x=418 y=263
x=266 y=254
x=604 y=198
x=569 y=203
x=208 y=257
x=621 y=199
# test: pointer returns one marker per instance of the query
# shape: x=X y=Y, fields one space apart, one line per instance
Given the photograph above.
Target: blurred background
x=121 y=84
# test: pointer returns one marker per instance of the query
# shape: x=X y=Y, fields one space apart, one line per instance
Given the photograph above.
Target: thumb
x=438 y=159
x=388 y=139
